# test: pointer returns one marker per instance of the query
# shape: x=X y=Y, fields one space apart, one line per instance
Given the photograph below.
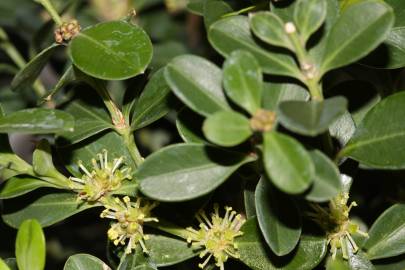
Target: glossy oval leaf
x=165 y=251
x=30 y=72
x=37 y=121
x=311 y=118
x=47 y=209
x=271 y=29
x=85 y=262
x=189 y=126
x=183 y=172
x=243 y=80
x=227 y=128
x=287 y=163
x=391 y=54
x=198 y=83
x=233 y=33
x=327 y=182
x=153 y=102
x=30 y=246
x=113 y=50
x=89 y=121
x=387 y=235
x=20 y=185
x=358 y=31
x=393 y=263
x=278 y=218
x=255 y=253
x=380 y=136
x=343 y=128
x=275 y=93
x=309 y=16
x=213 y=10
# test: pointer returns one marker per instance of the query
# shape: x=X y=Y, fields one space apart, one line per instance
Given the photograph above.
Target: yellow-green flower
x=105 y=177
x=216 y=236
x=335 y=221
x=129 y=217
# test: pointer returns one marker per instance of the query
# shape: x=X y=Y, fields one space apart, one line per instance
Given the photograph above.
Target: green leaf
x=233 y=33
x=311 y=118
x=358 y=31
x=316 y=51
x=165 y=251
x=3 y=265
x=37 y=121
x=243 y=80
x=254 y=253
x=48 y=209
x=42 y=165
x=287 y=163
x=89 y=121
x=271 y=29
x=380 y=136
x=386 y=236
x=343 y=128
x=214 y=10
x=12 y=165
x=327 y=178
x=392 y=263
x=274 y=93
x=21 y=185
x=67 y=78
x=198 y=83
x=30 y=246
x=114 y=50
x=309 y=16
x=189 y=126
x=26 y=76
x=227 y=128
x=196 y=7
x=391 y=54
x=175 y=173
x=85 y=262
x=278 y=218
x=359 y=261
x=136 y=261
x=153 y=102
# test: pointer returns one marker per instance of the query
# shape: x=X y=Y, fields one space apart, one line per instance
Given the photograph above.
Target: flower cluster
x=67 y=31
x=105 y=177
x=129 y=218
x=263 y=120
x=216 y=236
x=336 y=222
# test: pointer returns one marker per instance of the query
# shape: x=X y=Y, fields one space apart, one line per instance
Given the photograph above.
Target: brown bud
x=66 y=31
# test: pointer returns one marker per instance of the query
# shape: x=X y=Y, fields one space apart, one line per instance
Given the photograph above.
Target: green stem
x=312 y=81
x=115 y=113
x=311 y=78
x=300 y=51
x=118 y=119
x=51 y=10
x=129 y=140
x=315 y=89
